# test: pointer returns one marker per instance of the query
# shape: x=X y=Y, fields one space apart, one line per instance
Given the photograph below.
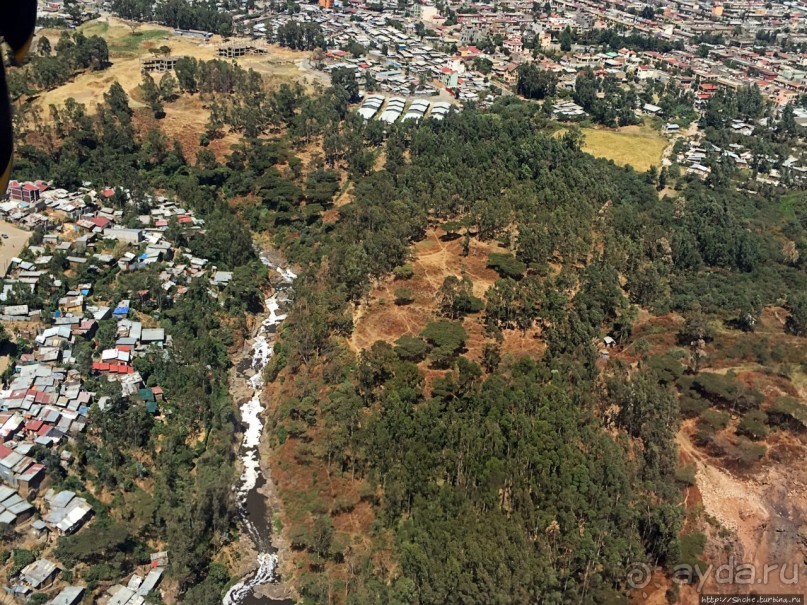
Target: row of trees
x=53 y=66
x=300 y=36
x=202 y=15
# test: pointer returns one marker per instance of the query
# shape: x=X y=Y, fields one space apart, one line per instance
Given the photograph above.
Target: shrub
x=752 y=425
x=411 y=348
x=691 y=406
x=403 y=296
x=789 y=413
x=20 y=558
x=709 y=423
x=101 y=572
x=797 y=320
x=685 y=475
x=444 y=334
x=716 y=420
x=748 y=452
x=403 y=272
x=727 y=391
x=506 y=265
x=446 y=338
x=692 y=546
x=667 y=368
x=695 y=328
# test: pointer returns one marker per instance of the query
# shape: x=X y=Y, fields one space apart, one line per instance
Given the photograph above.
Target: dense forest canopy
x=486 y=483
x=199 y=14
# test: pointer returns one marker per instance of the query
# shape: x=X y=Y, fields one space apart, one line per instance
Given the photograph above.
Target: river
x=256 y=521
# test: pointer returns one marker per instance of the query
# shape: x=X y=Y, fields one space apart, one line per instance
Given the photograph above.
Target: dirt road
x=12 y=242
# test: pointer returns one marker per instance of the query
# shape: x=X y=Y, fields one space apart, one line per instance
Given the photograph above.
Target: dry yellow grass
x=637 y=146
x=127 y=48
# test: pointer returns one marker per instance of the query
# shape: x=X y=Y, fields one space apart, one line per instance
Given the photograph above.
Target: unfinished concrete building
x=159 y=64
x=240 y=48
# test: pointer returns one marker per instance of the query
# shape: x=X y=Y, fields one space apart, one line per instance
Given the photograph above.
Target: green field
x=637 y=146
x=121 y=40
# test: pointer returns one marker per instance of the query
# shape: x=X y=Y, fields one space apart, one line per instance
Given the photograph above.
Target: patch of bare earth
x=433 y=259
x=751 y=515
x=755 y=520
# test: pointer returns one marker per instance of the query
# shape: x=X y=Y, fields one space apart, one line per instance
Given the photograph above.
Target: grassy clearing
x=133 y=43
x=637 y=146
x=122 y=41
x=788 y=203
x=94 y=28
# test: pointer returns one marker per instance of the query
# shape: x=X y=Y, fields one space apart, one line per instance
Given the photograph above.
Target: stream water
x=255 y=518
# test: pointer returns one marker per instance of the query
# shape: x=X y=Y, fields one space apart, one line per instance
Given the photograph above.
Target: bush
x=685 y=475
x=727 y=391
x=20 y=558
x=411 y=348
x=716 y=420
x=748 y=452
x=403 y=296
x=788 y=413
x=752 y=425
x=446 y=338
x=667 y=368
x=403 y=272
x=448 y=334
x=691 y=406
x=797 y=320
x=709 y=423
x=692 y=546
x=101 y=573
x=695 y=328
x=507 y=265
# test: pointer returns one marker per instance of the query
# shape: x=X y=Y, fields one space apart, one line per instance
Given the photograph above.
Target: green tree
x=566 y=39
x=344 y=78
x=534 y=82
x=796 y=322
x=151 y=95
x=168 y=87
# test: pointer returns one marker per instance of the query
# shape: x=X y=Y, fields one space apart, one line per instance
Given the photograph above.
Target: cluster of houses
x=137 y=589
x=46 y=402
x=694 y=158
x=396 y=60
x=412 y=48
x=42 y=573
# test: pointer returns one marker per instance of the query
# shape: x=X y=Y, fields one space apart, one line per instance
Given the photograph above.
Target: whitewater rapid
x=251 y=419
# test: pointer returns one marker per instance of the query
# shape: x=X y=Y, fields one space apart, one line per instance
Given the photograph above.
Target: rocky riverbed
x=259 y=550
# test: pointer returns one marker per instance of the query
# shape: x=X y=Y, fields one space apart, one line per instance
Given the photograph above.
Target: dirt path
x=666 y=156
x=12 y=242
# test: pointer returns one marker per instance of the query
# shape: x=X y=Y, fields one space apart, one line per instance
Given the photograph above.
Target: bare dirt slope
x=433 y=259
x=754 y=520
x=751 y=514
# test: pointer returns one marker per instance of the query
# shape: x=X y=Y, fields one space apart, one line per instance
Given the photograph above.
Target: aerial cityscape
x=403 y=302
